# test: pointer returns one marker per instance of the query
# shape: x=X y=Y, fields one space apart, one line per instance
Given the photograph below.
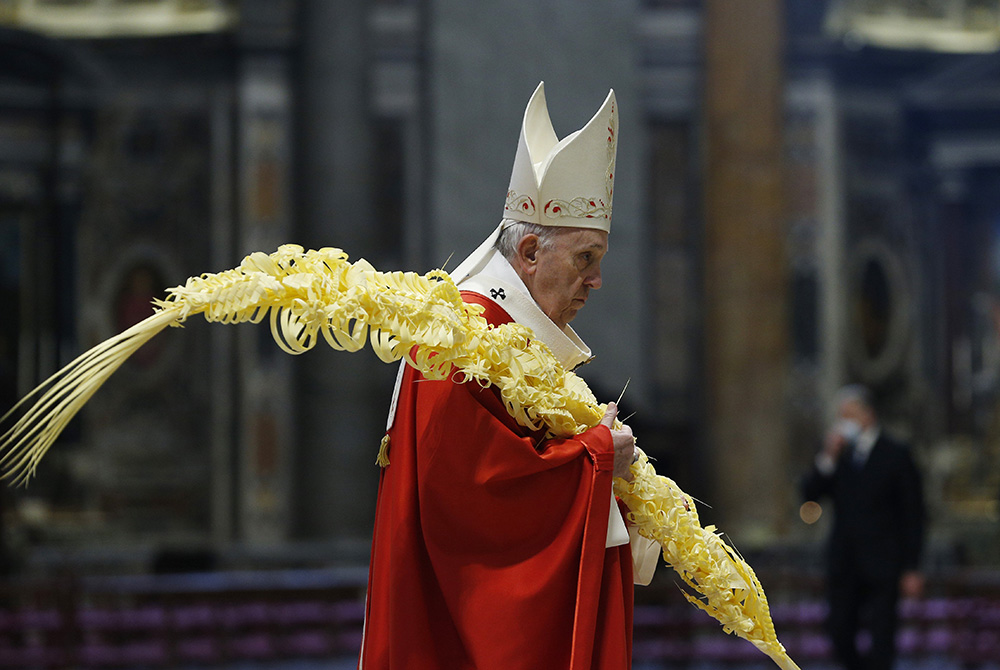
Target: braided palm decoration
x=309 y=295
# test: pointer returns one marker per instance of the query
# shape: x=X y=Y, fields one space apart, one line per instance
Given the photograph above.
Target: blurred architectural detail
x=157 y=159
x=907 y=144
x=670 y=44
x=816 y=248
x=745 y=272
x=952 y=114
x=360 y=187
x=118 y=18
x=47 y=108
x=264 y=157
x=957 y=26
x=818 y=211
x=146 y=201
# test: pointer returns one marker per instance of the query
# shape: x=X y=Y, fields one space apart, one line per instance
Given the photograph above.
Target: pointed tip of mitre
x=566 y=182
x=576 y=179
x=537 y=133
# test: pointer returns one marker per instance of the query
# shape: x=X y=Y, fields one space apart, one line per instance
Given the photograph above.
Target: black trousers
x=858 y=602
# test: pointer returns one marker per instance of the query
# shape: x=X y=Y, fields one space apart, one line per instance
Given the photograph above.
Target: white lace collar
x=500 y=283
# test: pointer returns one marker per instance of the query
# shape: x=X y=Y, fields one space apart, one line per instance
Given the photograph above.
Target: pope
x=497 y=541
x=493 y=546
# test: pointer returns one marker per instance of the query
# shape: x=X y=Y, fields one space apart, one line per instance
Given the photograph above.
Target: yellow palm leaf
x=309 y=296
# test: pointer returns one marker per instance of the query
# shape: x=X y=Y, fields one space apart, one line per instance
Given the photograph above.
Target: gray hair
x=512 y=232
x=855 y=393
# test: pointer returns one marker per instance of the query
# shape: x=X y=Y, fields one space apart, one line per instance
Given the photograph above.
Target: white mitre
x=568 y=182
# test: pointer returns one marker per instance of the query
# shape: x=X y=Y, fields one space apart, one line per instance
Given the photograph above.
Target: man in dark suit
x=877 y=532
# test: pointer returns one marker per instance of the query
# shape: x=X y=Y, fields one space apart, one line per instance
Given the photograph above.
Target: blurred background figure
x=877 y=536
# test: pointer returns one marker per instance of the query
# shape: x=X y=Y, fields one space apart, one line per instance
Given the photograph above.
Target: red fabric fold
x=488 y=548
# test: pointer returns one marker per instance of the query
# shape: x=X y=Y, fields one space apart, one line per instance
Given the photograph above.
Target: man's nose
x=594 y=280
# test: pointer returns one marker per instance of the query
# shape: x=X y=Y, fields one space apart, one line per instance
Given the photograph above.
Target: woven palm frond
x=309 y=296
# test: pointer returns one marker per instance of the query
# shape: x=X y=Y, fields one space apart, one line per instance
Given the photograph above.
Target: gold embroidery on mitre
x=520 y=203
x=580 y=208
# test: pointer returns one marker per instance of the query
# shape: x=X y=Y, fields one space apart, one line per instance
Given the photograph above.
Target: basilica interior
x=808 y=195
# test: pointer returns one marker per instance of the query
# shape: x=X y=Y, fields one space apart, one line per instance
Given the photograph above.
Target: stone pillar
x=746 y=320
x=342 y=398
x=265 y=156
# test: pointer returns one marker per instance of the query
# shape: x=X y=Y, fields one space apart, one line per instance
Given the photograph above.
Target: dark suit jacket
x=878 y=521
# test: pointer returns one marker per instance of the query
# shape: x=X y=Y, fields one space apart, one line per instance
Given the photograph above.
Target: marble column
x=342 y=398
x=746 y=294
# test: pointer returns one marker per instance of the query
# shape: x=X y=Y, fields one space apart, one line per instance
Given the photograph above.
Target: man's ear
x=527 y=251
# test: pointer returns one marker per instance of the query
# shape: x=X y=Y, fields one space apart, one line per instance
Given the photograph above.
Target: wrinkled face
x=561 y=275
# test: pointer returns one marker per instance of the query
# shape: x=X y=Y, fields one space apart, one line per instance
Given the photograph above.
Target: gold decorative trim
x=519 y=203
x=94 y=19
x=579 y=208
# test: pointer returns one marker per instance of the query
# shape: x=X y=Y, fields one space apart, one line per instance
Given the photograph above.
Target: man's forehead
x=852 y=405
x=584 y=238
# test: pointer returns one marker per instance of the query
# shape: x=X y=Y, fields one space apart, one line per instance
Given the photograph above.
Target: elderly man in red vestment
x=493 y=546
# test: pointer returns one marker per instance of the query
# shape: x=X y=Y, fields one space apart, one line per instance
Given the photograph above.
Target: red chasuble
x=489 y=541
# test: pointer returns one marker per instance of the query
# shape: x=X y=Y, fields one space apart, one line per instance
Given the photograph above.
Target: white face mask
x=848 y=429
